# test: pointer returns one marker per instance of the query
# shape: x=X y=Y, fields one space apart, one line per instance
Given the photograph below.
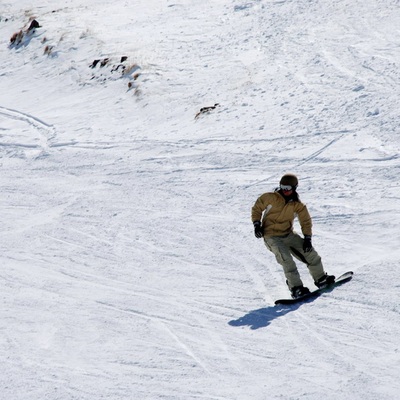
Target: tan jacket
x=278 y=216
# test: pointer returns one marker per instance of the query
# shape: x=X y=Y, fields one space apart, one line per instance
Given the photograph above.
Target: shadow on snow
x=262 y=317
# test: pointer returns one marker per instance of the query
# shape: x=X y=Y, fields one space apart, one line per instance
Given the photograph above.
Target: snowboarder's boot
x=325 y=280
x=299 y=291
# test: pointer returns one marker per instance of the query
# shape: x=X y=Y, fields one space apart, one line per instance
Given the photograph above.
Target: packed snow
x=135 y=136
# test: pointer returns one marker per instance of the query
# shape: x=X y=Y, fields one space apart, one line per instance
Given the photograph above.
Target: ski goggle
x=287 y=188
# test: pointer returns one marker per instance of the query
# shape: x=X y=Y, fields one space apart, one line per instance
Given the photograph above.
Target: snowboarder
x=277 y=211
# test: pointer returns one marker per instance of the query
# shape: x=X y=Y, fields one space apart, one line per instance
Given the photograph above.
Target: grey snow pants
x=287 y=247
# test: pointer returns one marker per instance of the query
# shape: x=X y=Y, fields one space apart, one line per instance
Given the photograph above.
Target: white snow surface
x=129 y=267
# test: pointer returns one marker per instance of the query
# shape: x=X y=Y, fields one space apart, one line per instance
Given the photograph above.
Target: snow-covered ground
x=129 y=268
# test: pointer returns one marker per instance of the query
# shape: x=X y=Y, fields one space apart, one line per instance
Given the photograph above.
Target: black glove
x=307 y=245
x=258 y=230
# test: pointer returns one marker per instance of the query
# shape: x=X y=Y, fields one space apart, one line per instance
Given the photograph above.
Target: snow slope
x=129 y=268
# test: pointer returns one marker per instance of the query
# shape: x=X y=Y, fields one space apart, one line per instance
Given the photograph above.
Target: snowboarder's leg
x=283 y=256
x=311 y=258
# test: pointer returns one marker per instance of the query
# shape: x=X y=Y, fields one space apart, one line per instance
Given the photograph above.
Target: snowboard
x=338 y=281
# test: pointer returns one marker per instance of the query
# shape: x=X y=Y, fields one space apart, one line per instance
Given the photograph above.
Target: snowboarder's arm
x=259 y=206
x=305 y=220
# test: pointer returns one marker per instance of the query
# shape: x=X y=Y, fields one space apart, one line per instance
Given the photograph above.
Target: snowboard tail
x=338 y=281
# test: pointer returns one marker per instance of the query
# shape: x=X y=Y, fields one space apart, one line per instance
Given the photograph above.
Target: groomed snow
x=128 y=264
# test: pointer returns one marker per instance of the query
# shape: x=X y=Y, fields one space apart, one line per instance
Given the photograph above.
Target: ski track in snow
x=129 y=268
x=40 y=129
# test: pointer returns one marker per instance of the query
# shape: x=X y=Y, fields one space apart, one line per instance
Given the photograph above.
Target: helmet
x=289 y=179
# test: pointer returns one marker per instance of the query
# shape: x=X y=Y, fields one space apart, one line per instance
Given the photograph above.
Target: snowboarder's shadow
x=262 y=317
